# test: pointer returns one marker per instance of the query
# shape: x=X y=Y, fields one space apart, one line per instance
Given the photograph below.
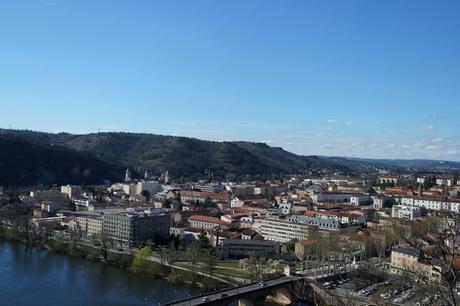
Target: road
x=233 y=292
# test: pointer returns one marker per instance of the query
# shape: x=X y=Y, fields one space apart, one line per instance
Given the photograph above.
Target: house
x=237 y=248
x=248 y=234
x=389 y=179
x=205 y=222
x=256 y=200
x=406 y=212
x=405 y=260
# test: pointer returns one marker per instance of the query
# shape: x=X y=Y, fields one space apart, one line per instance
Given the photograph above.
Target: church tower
x=127 y=175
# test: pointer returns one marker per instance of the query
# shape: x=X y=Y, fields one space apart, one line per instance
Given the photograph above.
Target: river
x=34 y=277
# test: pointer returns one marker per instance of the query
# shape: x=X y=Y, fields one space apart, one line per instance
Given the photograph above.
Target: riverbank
x=129 y=262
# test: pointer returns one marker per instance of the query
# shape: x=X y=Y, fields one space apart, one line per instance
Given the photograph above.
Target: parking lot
x=391 y=291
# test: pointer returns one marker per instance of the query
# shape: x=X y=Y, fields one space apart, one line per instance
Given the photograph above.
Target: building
x=72 y=191
x=134 y=228
x=445 y=181
x=90 y=225
x=248 y=234
x=209 y=187
x=257 y=200
x=320 y=222
x=406 y=212
x=50 y=195
x=405 y=260
x=205 y=222
x=84 y=202
x=432 y=203
x=331 y=197
x=50 y=207
x=151 y=186
x=237 y=248
x=360 y=199
x=380 y=202
x=389 y=179
x=127 y=175
x=193 y=196
x=243 y=189
x=282 y=230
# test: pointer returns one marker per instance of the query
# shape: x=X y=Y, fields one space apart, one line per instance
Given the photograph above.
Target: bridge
x=282 y=290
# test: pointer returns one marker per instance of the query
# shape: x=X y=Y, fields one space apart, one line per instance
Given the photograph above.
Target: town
x=366 y=239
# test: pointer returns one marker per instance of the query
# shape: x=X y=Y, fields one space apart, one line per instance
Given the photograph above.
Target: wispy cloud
x=349 y=123
x=332 y=121
x=429 y=127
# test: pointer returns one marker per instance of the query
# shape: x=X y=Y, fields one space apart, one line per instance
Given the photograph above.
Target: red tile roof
x=206 y=219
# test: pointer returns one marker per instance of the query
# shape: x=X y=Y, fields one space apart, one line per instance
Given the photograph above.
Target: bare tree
x=103 y=243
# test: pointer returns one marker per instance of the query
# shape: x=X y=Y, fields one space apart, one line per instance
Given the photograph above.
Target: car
x=222 y=295
x=261 y=284
x=205 y=298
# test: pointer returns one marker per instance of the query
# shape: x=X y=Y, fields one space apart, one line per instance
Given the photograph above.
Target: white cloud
x=349 y=123
x=429 y=127
x=332 y=120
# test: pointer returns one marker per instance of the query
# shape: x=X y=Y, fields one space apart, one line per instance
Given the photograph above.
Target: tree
x=194 y=253
x=103 y=243
x=203 y=240
x=439 y=256
x=257 y=267
x=167 y=203
x=210 y=262
x=140 y=263
x=429 y=182
x=145 y=194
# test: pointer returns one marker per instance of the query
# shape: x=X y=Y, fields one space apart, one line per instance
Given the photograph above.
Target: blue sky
x=351 y=78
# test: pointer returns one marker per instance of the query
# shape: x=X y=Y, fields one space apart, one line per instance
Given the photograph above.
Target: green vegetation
x=65 y=158
x=25 y=163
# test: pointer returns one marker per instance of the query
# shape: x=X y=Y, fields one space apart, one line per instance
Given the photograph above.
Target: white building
x=84 y=202
x=406 y=212
x=50 y=195
x=281 y=230
x=51 y=207
x=205 y=222
x=360 y=199
x=72 y=191
x=445 y=181
x=90 y=225
x=432 y=203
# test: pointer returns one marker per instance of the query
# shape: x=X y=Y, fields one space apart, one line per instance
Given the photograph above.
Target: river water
x=33 y=277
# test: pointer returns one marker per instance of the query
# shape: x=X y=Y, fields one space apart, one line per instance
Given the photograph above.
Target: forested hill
x=23 y=163
x=32 y=156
